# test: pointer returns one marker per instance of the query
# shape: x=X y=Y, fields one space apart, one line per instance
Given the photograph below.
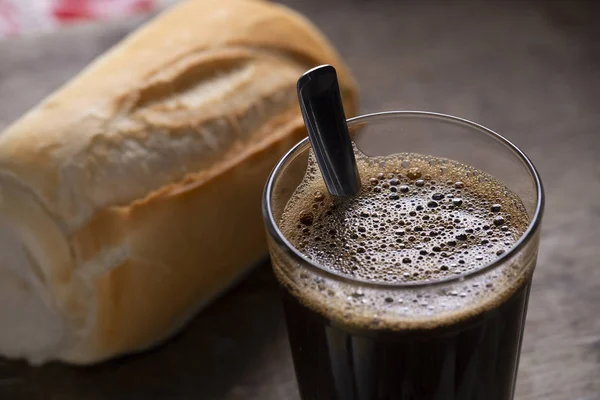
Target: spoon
x=323 y=113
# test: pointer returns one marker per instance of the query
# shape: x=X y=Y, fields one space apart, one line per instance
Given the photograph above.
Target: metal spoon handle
x=323 y=113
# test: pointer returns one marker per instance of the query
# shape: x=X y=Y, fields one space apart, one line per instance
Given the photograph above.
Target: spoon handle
x=323 y=113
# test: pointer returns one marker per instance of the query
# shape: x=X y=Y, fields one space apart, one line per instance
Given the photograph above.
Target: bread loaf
x=130 y=197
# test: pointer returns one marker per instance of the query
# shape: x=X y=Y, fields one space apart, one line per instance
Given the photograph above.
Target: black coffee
x=389 y=316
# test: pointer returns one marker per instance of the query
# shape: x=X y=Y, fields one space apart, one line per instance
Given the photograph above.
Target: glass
x=456 y=347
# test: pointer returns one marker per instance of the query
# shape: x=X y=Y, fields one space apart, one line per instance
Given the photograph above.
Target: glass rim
x=298 y=256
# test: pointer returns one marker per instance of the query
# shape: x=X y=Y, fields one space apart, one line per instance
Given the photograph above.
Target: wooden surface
x=529 y=70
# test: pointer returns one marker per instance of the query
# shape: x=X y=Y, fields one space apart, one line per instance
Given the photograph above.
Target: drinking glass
x=464 y=340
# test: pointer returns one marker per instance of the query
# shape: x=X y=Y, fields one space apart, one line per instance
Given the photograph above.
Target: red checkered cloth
x=20 y=17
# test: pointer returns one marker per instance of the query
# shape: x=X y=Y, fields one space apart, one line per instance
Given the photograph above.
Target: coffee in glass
x=417 y=286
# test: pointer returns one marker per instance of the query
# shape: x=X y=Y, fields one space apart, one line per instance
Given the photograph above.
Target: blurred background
x=528 y=69
x=27 y=17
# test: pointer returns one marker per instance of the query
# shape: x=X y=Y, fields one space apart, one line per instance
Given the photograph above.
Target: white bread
x=130 y=197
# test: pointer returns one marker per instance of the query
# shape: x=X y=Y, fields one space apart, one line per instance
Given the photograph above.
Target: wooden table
x=530 y=70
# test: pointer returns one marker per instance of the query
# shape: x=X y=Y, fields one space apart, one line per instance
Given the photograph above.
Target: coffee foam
x=416 y=219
